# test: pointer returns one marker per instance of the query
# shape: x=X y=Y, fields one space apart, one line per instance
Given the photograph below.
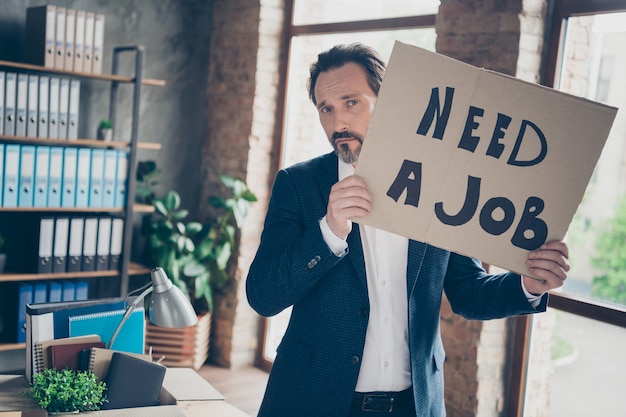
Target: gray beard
x=346 y=155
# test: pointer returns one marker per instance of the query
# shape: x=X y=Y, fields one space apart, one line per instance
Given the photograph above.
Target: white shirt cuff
x=534 y=300
x=337 y=245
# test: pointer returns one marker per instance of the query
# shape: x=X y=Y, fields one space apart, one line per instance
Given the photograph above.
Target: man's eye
x=352 y=103
x=325 y=110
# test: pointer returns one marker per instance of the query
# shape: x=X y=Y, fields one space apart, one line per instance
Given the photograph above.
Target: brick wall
x=242 y=99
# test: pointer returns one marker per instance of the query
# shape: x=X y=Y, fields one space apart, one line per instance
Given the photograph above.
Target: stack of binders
x=39 y=106
x=79 y=243
x=54 y=176
x=65 y=38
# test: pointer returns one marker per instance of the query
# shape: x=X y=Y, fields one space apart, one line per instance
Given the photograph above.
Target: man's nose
x=341 y=122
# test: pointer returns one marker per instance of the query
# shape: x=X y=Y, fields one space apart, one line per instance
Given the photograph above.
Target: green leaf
x=171 y=200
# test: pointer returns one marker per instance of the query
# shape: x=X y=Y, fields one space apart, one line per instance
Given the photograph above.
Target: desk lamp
x=168 y=305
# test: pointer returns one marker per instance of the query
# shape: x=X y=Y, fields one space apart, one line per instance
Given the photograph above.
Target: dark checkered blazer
x=318 y=360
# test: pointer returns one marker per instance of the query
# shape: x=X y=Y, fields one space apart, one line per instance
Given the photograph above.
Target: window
x=589 y=312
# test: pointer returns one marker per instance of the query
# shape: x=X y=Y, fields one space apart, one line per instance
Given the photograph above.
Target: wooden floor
x=243 y=388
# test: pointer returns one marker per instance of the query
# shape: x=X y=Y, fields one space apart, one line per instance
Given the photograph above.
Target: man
x=350 y=348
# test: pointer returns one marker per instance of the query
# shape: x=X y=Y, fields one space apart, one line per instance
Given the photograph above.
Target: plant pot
x=105 y=134
x=182 y=348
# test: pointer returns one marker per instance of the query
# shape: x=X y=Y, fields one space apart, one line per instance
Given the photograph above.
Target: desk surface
x=11 y=399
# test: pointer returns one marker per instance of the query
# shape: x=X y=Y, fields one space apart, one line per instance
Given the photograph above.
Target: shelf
x=5 y=347
x=139 y=208
x=92 y=143
x=135 y=269
x=103 y=77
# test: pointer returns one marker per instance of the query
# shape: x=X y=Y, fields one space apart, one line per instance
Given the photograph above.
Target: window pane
x=594 y=67
x=324 y=11
x=303 y=136
x=584 y=375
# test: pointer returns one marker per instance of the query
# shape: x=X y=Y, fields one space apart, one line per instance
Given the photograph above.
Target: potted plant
x=67 y=391
x=105 y=130
x=196 y=255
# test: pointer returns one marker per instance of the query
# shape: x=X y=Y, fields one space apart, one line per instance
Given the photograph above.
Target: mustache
x=346 y=134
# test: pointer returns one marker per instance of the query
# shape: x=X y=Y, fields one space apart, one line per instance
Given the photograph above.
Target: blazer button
x=355 y=359
x=313 y=262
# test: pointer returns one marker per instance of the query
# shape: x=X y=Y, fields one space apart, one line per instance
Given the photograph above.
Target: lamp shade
x=168 y=305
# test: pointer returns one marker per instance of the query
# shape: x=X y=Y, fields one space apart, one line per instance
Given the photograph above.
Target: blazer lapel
x=417 y=250
x=328 y=177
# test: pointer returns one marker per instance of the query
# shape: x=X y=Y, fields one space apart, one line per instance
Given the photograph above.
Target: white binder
x=53 y=108
x=59 y=38
x=46 y=241
x=90 y=242
x=27 y=176
x=32 y=105
x=59 y=252
x=70 y=27
x=117 y=241
x=42 y=112
x=10 y=91
x=79 y=41
x=20 y=107
x=64 y=107
x=11 y=175
x=75 y=247
x=104 y=244
x=74 y=106
x=98 y=44
x=90 y=20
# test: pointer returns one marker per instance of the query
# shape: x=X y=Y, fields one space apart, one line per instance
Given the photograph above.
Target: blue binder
x=11 y=175
x=55 y=176
x=131 y=337
x=55 y=292
x=68 y=197
x=27 y=176
x=82 y=290
x=40 y=293
x=68 y=291
x=122 y=172
x=42 y=163
x=96 y=182
x=110 y=174
x=82 y=177
x=24 y=296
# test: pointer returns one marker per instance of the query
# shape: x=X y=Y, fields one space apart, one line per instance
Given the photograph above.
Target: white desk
x=12 y=400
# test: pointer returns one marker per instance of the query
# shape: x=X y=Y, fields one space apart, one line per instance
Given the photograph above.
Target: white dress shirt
x=385 y=365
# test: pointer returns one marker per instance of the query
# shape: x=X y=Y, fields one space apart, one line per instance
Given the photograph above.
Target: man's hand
x=348 y=198
x=550 y=264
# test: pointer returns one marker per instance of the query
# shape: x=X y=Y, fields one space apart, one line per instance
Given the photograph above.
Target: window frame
x=584 y=307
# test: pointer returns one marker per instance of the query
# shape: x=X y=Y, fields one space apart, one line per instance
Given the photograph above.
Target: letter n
x=433 y=109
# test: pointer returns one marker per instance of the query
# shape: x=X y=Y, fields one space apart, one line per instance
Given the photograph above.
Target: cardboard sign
x=477 y=162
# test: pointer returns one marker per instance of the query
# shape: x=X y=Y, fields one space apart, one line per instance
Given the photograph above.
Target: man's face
x=345 y=103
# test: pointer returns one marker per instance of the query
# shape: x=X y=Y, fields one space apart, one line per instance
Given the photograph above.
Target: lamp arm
x=127 y=314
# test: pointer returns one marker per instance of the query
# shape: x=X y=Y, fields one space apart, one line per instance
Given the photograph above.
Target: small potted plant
x=105 y=130
x=67 y=391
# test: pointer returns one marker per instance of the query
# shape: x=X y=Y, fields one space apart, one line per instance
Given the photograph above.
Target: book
x=49 y=321
x=185 y=384
x=133 y=382
x=40 y=349
x=67 y=355
x=131 y=337
x=100 y=359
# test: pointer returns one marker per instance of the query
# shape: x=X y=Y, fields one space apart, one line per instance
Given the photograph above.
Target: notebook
x=133 y=382
x=99 y=360
x=130 y=339
x=40 y=349
x=67 y=355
